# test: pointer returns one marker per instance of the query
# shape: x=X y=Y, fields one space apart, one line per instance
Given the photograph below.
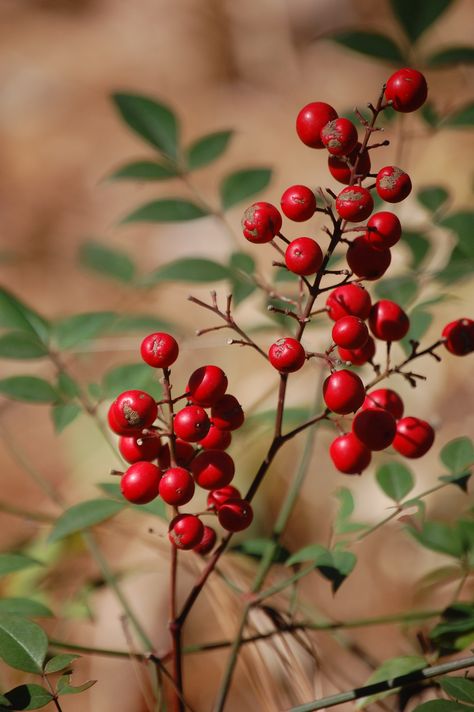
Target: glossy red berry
x=341 y=168
x=414 y=437
x=343 y=392
x=350 y=332
x=261 y=222
x=206 y=385
x=227 y=413
x=349 y=299
x=186 y=531
x=184 y=453
x=311 y=119
x=388 y=321
x=191 y=423
x=216 y=498
x=298 y=203
x=303 y=256
x=213 y=469
x=140 y=483
x=207 y=542
x=385 y=230
x=234 y=515
x=339 y=136
x=358 y=356
x=387 y=399
x=287 y=355
x=132 y=411
x=459 y=337
x=159 y=350
x=366 y=261
x=216 y=439
x=349 y=455
x=392 y=184
x=406 y=89
x=354 y=203
x=176 y=486
x=134 y=448
x=375 y=428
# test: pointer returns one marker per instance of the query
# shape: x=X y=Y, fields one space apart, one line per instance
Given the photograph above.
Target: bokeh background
x=247 y=66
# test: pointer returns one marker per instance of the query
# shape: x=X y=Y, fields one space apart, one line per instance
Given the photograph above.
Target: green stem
x=232 y=662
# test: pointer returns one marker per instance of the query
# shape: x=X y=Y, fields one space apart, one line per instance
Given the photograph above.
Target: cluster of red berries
x=188 y=452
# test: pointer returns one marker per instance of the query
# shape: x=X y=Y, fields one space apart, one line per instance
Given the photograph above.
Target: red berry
x=139 y=447
x=184 y=453
x=392 y=184
x=261 y=222
x=311 y=119
x=387 y=399
x=213 y=469
x=388 y=321
x=298 y=203
x=354 y=203
x=191 y=423
x=176 y=486
x=340 y=168
x=339 y=136
x=359 y=356
x=227 y=413
x=303 y=256
x=349 y=455
x=216 y=439
x=343 y=392
x=132 y=411
x=350 y=332
x=375 y=428
x=206 y=385
x=366 y=261
x=159 y=350
x=348 y=299
x=459 y=337
x=207 y=542
x=216 y=498
x=140 y=483
x=414 y=437
x=406 y=89
x=287 y=355
x=185 y=531
x=385 y=230
x=235 y=515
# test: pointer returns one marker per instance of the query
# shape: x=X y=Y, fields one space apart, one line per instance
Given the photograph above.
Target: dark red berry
x=388 y=321
x=213 y=469
x=406 y=89
x=375 y=428
x=385 y=398
x=287 y=355
x=227 y=413
x=206 y=385
x=350 y=332
x=139 y=447
x=303 y=256
x=311 y=119
x=191 y=423
x=341 y=168
x=176 y=486
x=414 y=437
x=234 y=515
x=343 y=392
x=159 y=350
x=349 y=455
x=392 y=184
x=132 y=411
x=358 y=356
x=140 y=483
x=216 y=498
x=185 y=531
x=216 y=439
x=339 y=136
x=459 y=337
x=348 y=299
x=298 y=203
x=354 y=203
x=184 y=453
x=385 y=230
x=261 y=222
x=207 y=542
x=366 y=261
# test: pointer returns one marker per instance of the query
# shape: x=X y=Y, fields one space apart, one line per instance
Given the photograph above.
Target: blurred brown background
x=249 y=66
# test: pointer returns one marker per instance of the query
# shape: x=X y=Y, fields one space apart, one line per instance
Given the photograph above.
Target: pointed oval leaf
x=451 y=55
x=130 y=375
x=143 y=323
x=64 y=414
x=462 y=225
x=67 y=386
x=166 y=210
x=416 y=16
x=372 y=44
x=150 y=119
x=16 y=562
x=144 y=170
x=26 y=607
x=433 y=197
x=458 y=454
x=65 y=688
x=189 y=269
x=420 y=322
x=206 y=149
x=28 y=388
x=14 y=314
x=21 y=345
x=23 y=644
x=390 y=669
x=59 y=662
x=395 y=479
x=419 y=246
x=27 y=697
x=403 y=289
x=312 y=552
x=110 y=263
x=84 y=515
x=243 y=184
x=440 y=537
x=77 y=329
x=157 y=507
x=459 y=688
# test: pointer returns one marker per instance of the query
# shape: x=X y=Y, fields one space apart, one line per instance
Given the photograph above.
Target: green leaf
x=130 y=376
x=433 y=197
x=430 y=115
x=403 y=290
x=64 y=414
x=461 y=480
x=59 y=662
x=442 y=706
x=14 y=314
x=27 y=697
x=67 y=386
x=462 y=225
x=395 y=479
x=28 y=388
x=64 y=688
x=242 y=267
x=142 y=323
x=80 y=328
x=144 y=170
x=16 y=562
x=311 y=552
x=23 y=644
x=420 y=322
x=188 y=269
x=373 y=44
x=462 y=117
x=166 y=210
x=157 y=507
x=460 y=688
x=439 y=537
x=456 y=625
x=342 y=523
x=108 y=262
x=150 y=119
x=84 y=515
x=207 y=148
x=21 y=345
x=334 y=565
x=258 y=548
x=451 y=55
x=243 y=184
x=26 y=607
x=458 y=267
x=388 y=670
x=419 y=246
x=458 y=454
x=416 y=16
